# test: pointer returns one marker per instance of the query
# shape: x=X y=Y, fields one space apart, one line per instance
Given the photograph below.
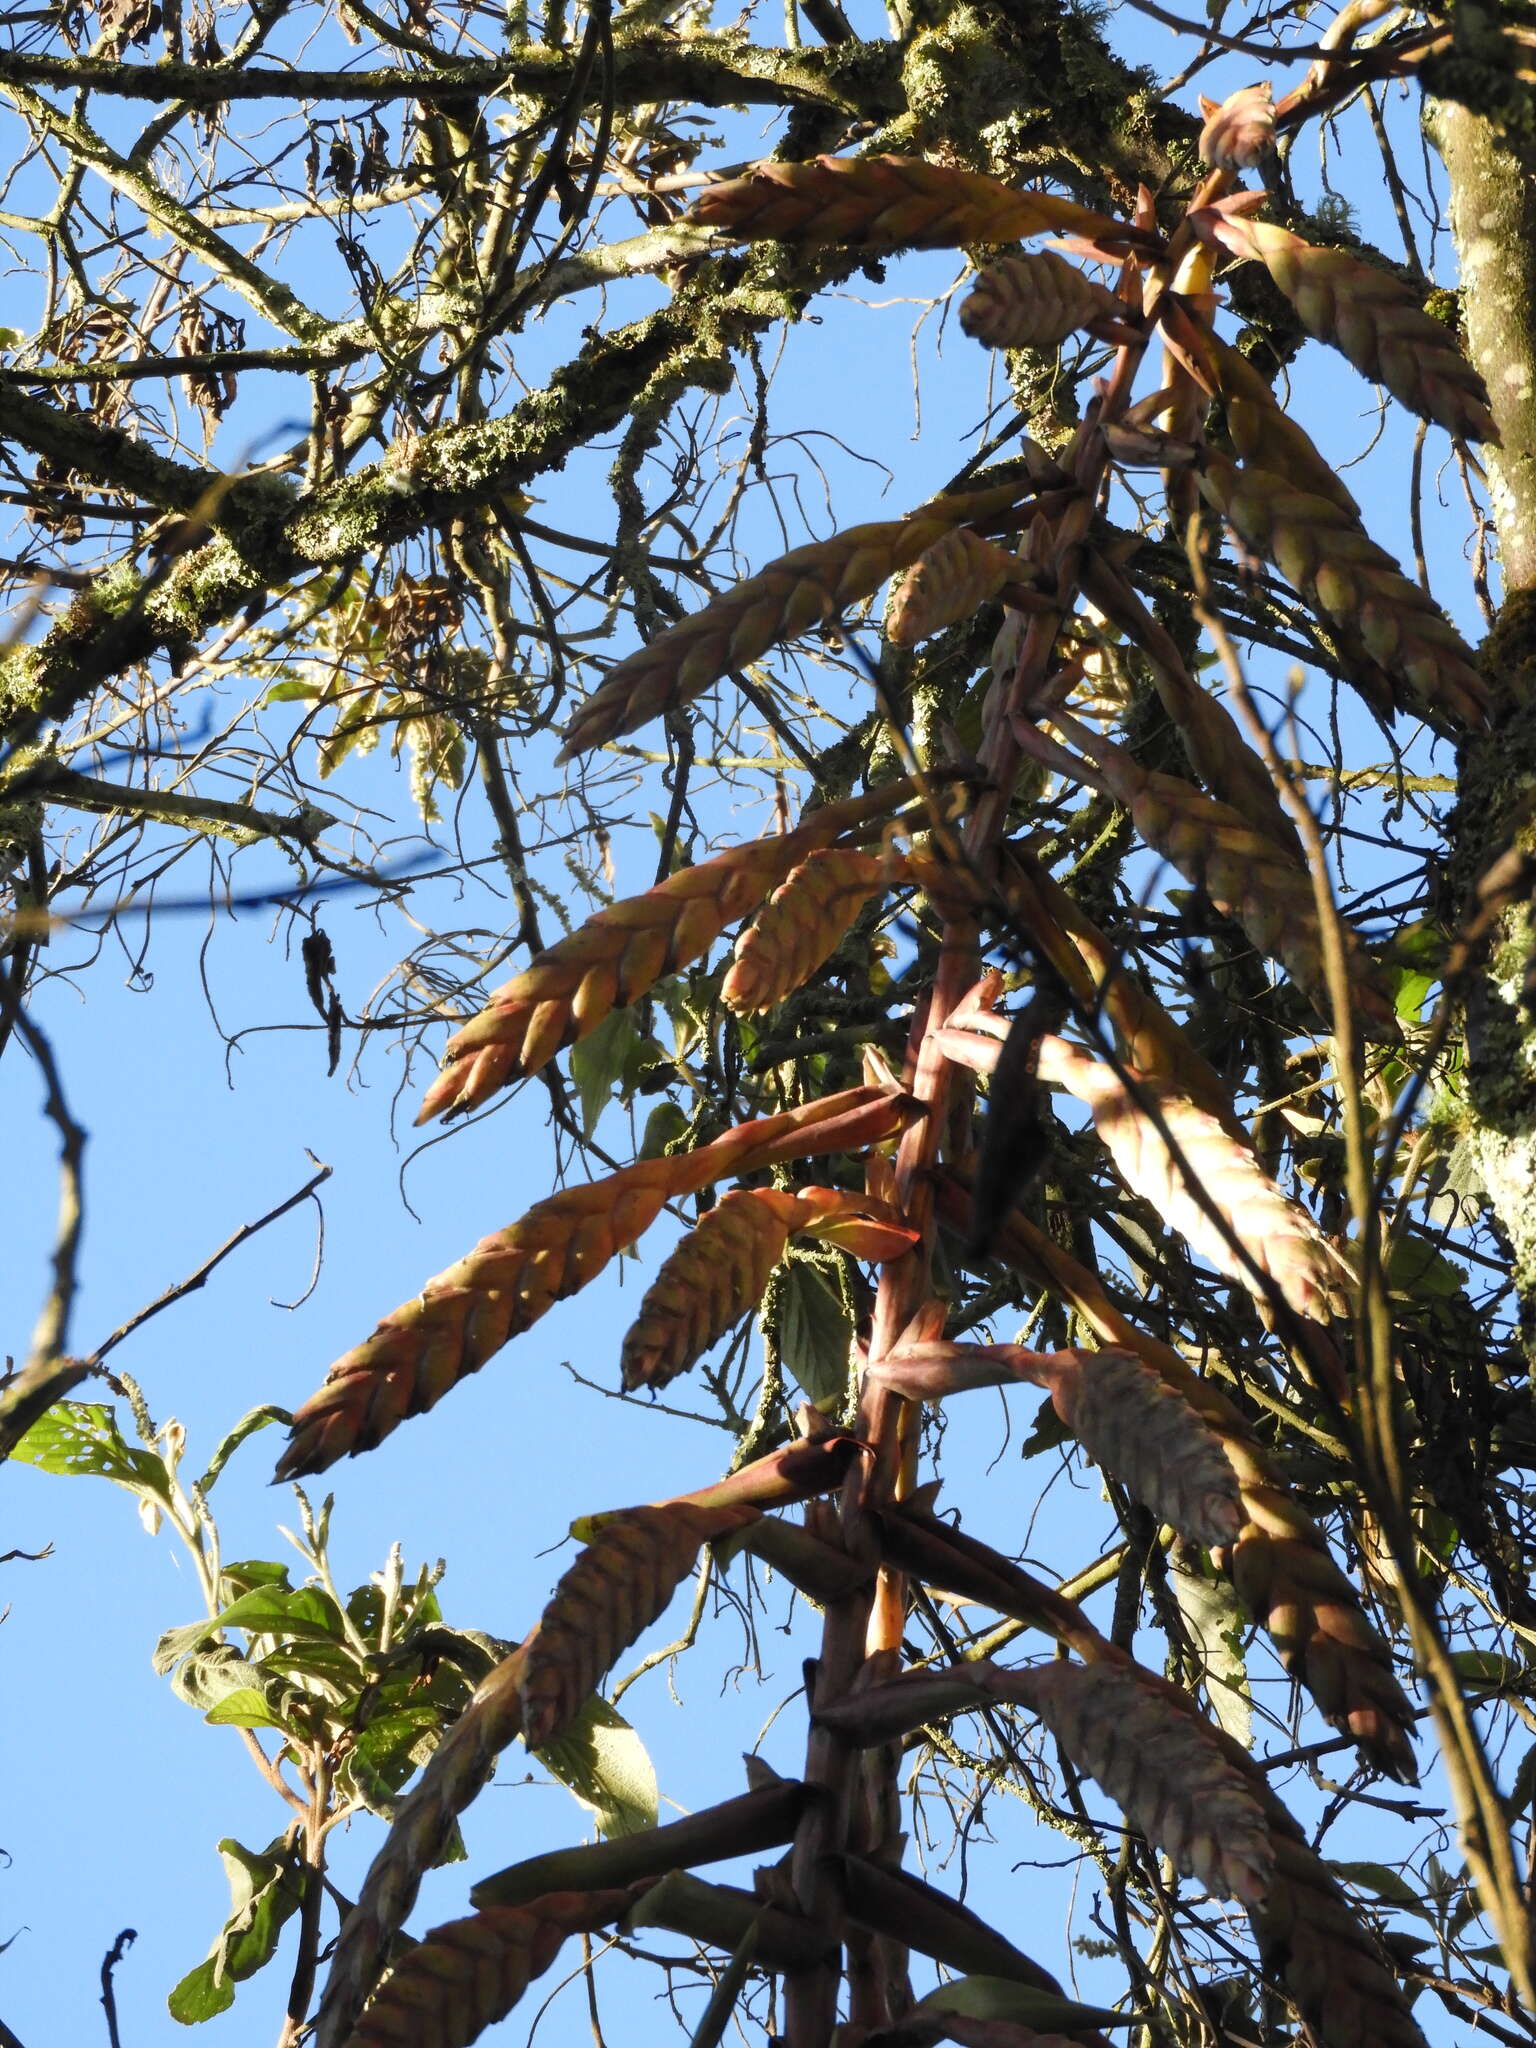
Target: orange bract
x=800 y=927
x=893 y=202
x=1373 y=318
x=1397 y=645
x=617 y=955
x=466 y=1314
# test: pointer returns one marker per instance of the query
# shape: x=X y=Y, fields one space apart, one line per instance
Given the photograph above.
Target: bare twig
x=109 y=1963
x=204 y=1272
x=48 y=1374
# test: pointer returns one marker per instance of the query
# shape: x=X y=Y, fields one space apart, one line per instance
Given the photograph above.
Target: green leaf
x=245 y=1707
x=1417 y=1268
x=332 y=1671
x=815 y=1328
x=355 y=731
x=81 y=1438
x=209 y=1677
x=1412 y=988
x=292 y=692
x=664 y=1127
x=248 y=1425
x=999 y=1998
x=1385 y=1883
x=1487 y=1667
x=389 y=1750
x=276 y=1611
x=598 y=1062
x=604 y=1763
x=1518 y=1800
x=266 y=1889
x=176 y=1643
x=1214 y=1618
x=268 y=1608
x=239 y=1578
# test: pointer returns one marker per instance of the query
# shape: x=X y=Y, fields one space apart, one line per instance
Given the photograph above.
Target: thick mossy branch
x=103 y=453
x=269 y=537
x=710 y=70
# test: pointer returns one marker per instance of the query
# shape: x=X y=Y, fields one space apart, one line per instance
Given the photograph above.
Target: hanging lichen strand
x=1152 y=1158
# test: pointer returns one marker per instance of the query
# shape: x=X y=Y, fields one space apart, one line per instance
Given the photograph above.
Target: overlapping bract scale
x=800 y=927
x=419 y=1836
x=1160 y=1766
x=1265 y=435
x=1280 y=1562
x=617 y=955
x=1034 y=301
x=1373 y=318
x=632 y=1563
x=1239 y=131
x=1311 y=1940
x=468 y=1974
x=1277 y=1232
x=803 y=589
x=616 y=1588
x=1397 y=644
x=1142 y=1431
x=466 y=1314
x=1147 y=1435
x=1279 y=1235
x=1254 y=878
x=892 y=202
x=719 y=1270
x=947 y=583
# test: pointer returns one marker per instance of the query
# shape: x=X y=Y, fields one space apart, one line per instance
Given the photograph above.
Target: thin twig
x=109 y=1963
x=205 y=1271
x=48 y=1374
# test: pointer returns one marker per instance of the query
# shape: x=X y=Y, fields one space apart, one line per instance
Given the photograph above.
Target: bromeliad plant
x=903 y=1182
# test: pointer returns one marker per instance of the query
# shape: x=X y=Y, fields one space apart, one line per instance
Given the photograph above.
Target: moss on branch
x=269 y=535
x=713 y=70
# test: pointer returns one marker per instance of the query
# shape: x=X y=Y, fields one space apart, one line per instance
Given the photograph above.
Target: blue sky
x=113 y=1819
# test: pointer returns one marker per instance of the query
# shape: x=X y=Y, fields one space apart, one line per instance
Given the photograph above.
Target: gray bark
x=1493 y=218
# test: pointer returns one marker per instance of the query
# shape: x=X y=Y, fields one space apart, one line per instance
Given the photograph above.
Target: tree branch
x=241 y=824
x=717 y=71
x=48 y=1374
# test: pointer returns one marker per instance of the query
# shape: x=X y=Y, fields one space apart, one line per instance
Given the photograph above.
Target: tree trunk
x=1493 y=220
